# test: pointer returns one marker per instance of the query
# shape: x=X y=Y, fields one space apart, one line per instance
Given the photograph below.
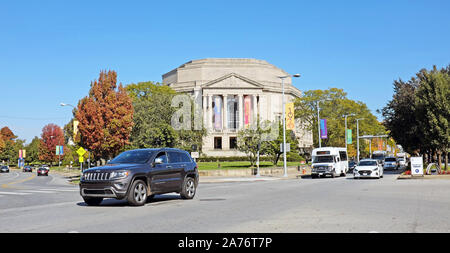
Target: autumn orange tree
x=52 y=136
x=105 y=117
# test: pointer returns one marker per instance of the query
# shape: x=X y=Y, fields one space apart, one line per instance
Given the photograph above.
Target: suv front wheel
x=137 y=196
x=188 y=190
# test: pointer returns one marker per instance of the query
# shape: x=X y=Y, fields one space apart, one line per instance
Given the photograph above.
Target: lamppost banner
x=290 y=123
x=349 y=136
x=323 y=129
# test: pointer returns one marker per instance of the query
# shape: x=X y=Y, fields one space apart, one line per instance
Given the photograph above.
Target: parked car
x=368 y=168
x=43 y=171
x=27 y=168
x=401 y=162
x=136 y=175
x=4 y=169
x=391 y=163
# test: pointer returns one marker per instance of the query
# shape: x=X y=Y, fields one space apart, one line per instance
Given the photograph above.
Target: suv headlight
x=119 y=174
x=330 y=168
x=375 y=169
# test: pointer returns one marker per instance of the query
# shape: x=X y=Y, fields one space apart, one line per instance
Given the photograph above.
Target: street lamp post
x=357 y=139
x=284 y=121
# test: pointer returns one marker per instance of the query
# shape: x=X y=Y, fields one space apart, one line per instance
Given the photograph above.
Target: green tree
x=273 y=146
x=433 y=109
x=252 y=139
x=32 y=150
x=334 y=106
x=153 y=112
x=400 y=118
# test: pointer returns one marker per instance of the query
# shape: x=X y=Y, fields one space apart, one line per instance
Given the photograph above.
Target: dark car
x=351 y=165
x=136 y=175
x=43 y=171
x=27 y=169
x=4 y=169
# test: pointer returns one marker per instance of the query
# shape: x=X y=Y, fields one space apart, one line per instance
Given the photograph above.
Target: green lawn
x=238 y=165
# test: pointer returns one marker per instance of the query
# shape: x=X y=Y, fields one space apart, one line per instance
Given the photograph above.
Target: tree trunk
x=440 y=159
x=446 y=159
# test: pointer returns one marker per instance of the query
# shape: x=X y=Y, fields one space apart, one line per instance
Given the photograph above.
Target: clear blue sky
x=50 y=51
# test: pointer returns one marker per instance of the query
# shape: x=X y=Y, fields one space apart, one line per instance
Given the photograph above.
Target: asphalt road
x=48 y=204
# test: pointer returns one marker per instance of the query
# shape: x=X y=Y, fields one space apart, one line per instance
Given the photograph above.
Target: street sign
x=288 y=147
x=81 y=159
x=416 y=166
x=57 y=150
x=81 y=151
x=195 y=154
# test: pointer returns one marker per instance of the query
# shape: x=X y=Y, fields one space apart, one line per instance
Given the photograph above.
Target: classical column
x=261 y=105
x=210 y=111
x=241 y=111
x=205 y=111
x=225 y=113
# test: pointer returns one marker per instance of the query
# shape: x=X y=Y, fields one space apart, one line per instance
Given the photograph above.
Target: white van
x=329 y=161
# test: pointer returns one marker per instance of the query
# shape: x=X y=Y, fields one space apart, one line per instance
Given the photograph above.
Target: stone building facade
x=232 y=93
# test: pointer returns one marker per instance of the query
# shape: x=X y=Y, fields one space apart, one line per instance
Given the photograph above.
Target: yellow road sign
x=81 y=159
x=81 y=151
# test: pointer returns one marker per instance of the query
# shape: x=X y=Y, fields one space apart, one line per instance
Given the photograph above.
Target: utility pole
x=318 y=123
x=357 y=139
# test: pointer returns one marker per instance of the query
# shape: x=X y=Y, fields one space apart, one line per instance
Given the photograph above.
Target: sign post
x=81 y=151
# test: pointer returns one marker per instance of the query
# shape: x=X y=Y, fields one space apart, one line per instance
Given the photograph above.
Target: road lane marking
x=14 y=193
x=33 y=191
x=18 y=182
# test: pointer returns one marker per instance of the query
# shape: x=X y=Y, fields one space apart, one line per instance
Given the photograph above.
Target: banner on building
x=217 y=112
x=290 y=117
x=323 y=129
x=349 y=136
x=247 y=110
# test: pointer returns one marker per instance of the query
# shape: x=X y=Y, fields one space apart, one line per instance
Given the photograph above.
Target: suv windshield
x=367 y=163
x=133 y=156
x=323 y=159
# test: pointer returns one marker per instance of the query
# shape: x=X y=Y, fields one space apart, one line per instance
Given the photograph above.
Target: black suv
x=136 y=175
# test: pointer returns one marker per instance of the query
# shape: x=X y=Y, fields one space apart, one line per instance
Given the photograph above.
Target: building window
x=233 y=143
x=217 y=142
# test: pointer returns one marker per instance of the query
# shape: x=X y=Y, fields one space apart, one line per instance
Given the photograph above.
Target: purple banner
x=323 y=129
x=217 y=112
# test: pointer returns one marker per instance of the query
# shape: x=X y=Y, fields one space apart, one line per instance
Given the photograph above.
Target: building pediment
x=233 y=81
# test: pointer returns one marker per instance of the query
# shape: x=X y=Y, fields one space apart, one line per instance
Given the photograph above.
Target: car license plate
x=366 y=174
